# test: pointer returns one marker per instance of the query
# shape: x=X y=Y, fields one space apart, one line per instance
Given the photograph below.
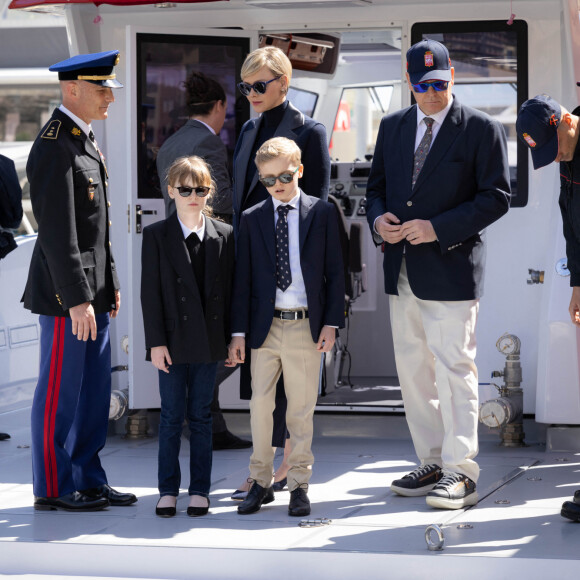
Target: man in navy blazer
x=439 y=177
x=288 y=299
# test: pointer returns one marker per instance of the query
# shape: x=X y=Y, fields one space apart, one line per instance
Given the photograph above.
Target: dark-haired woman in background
x=266 y=75
x=206 y=105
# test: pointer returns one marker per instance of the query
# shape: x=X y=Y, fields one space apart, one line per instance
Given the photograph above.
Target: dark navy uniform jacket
x=570 y=207
x=72 y=261
x=463 y=187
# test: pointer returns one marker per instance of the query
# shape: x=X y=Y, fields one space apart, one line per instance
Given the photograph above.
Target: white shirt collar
x=199 y=231
x=293 y=202
x=437 y=117
x=210 y=128
x=86 y=129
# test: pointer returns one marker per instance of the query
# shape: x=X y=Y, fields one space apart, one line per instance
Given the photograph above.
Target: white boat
x=348 y=58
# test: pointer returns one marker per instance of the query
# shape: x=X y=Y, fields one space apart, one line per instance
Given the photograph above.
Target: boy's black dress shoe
x=116 y=498
x=227 y=440
x=195 y=512
x=72 y=502
x=257 y=496
x=299 y=502
x=4 y=436
x=571 y=510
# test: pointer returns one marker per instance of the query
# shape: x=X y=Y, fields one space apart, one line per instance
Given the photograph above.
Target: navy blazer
x=463 y=187
x=10 y=194
x=254 y=292
x=309 y=135
x=173 y=314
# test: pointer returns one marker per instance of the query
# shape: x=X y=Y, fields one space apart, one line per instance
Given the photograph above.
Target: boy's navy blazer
x=321 y=260
x=309 y=135
x=463 y=187
x=172 y=309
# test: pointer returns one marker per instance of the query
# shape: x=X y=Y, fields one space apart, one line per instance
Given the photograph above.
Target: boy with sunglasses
x=439 y=177
x=288 y=299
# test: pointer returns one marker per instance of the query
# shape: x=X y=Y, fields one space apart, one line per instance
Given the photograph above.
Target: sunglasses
x=260 y=87
x=283 y=178
x=200 y=191
x=424 y=87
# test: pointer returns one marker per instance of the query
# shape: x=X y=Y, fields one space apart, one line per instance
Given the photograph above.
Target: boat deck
x=515 y=529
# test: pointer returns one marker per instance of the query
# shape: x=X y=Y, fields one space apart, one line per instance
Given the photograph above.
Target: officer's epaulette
x=51 y=132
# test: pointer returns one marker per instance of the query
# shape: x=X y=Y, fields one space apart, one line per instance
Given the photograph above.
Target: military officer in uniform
x=73 y=286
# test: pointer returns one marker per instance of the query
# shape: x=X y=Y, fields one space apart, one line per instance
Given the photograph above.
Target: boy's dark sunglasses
x=424 y=87
x=185 y=191
x=259 y=87
x=283 y=177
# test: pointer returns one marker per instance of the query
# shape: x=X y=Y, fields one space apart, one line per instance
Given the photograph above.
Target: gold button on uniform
x=108 y=204
x=90 y=180
x=409 y=203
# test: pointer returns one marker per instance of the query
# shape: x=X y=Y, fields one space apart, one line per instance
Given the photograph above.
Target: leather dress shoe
x=299 y=502
x=227 y=440
x=71 y=502
x=195 y=512
x=571 y=510
x=165 y=512
x=116 y=498
x=280 y=485
x=257 y=496
x=4 y=436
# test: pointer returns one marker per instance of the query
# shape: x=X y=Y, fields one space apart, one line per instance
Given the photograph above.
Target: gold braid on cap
x=96 y=77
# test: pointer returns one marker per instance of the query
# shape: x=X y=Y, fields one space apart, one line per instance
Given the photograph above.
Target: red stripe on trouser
x=51 y=406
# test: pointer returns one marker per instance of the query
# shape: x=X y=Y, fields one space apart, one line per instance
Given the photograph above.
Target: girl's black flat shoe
x=165 y=512
x=195 y=512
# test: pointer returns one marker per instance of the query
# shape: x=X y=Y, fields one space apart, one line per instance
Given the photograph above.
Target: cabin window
x=165 y=62
x=356 y=126
x=491 y=74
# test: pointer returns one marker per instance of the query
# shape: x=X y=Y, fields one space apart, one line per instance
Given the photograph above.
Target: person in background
x=439 y=177
x=266 y=75
x=10 y=214
x=552 y=133
x=187 y=268
x=206 y=105
x=73 y=286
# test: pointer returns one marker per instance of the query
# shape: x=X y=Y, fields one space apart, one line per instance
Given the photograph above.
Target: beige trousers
x=435 y=356
x=288 y=348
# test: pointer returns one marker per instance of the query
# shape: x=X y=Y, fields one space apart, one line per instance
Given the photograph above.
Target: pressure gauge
x=562 y=267
x=508 y=344
x=495 y=413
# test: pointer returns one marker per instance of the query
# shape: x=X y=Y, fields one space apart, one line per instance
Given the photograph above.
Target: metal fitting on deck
x=506 y=412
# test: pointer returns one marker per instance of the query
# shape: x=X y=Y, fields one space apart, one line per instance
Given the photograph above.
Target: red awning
x=31 y=3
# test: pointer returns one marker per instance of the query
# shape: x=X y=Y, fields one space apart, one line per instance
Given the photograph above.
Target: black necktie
x=283 y=274
x=423 y=149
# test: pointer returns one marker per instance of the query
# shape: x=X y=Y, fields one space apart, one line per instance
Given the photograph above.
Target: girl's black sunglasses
x=200 y=191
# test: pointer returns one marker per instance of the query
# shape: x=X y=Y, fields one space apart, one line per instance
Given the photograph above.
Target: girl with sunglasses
x=266 y=75
x=187 y=262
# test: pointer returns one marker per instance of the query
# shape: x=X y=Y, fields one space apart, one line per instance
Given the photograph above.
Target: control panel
x=348 y=183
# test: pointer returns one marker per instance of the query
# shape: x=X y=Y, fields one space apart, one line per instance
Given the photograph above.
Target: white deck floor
x=373 y=533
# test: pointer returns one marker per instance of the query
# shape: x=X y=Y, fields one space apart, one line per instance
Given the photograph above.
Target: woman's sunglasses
x=200 y=191
x=283 y=177
x=260 y=87
x=424 y=87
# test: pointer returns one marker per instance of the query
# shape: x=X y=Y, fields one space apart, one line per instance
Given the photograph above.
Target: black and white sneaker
x=419 y=482
x=453 y=492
